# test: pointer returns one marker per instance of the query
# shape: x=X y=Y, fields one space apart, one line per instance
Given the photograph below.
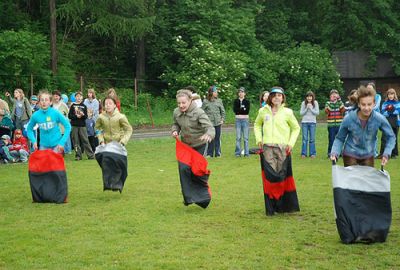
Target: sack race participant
x=276 y=130
x=195 y=129
x=193 y=174
x=112 y=158
x=47 y=177
x=114 y=132
x=362 y=203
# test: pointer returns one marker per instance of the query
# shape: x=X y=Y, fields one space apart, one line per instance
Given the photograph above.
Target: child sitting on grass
x=19 y=149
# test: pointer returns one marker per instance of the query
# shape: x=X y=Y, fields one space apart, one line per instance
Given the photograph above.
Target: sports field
x=148 y=227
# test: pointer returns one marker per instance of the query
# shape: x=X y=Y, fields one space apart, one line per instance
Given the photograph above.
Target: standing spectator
x=48 y=120
x=214 y=108
x=309 y=110
x=92 y=103
x=113 y=94
x=263 y=98
x=21 y=108
x=90 y=126
x=191 y=123
x=357 y=134
x=196 y=97
x=391 y=110
x=334 y=110
x=34 y=103
x=241 y=108
x=62 y=107
x=6 y=124
x=78 y=114
x=351 y=103
x=19 y=149
x=4 y=109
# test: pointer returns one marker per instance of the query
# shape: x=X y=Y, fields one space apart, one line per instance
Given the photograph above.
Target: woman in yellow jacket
x=112 y=124
x=276 y=130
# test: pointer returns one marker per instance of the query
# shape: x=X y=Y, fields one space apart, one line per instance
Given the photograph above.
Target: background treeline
x=170 y=44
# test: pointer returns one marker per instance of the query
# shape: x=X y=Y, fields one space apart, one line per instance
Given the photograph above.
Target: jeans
x=308 y=136
x=332 y=132
x=68 y=146
x=242 y=130
x=215 y=145
x=20 y=154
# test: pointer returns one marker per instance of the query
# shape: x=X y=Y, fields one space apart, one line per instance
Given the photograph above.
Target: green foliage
x=308 y=68
x=207 y=64
x=148 y=227
x=23 y=53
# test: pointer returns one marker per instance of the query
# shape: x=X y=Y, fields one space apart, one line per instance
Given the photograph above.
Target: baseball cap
x=34 y=97
x=277 y=90
x=5 y=137
x=242 y=89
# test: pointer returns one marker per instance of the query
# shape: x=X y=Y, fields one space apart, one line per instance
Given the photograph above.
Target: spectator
x=309 y=111
x=334 y=110
x=21 y=109
x=92 y=103
x=241 y=108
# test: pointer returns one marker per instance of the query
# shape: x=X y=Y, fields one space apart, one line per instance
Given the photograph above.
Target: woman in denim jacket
x=357 y=134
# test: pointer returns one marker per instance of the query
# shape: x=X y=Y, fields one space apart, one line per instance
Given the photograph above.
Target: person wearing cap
x=334 y=109
x=5 y=156
x=34 y=103
x=241 y=108
x=275 y=124
x=214 y=108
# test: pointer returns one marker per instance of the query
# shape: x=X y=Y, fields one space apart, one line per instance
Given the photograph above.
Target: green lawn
x=148 y=227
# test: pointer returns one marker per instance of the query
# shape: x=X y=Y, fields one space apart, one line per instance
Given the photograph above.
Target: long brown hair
x=310 y=93
x=211 y=90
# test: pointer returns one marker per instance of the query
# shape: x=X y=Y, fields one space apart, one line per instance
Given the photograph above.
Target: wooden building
x=352 y=67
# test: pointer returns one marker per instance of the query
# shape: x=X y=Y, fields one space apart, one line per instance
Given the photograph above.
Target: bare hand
x=333 y=158
x=384 y=160
x=35 y=147
x=175 y=134
x=206 y=138
x=288 y=149
x=60 y=149
x=260 y=145
x=7 y=94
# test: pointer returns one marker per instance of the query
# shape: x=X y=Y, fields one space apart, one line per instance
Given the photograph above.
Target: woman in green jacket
x=214 y=108
x=191 y=123
x=21 y=108
x=112 y=124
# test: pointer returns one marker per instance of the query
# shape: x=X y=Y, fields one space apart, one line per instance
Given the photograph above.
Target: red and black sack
x=193 y=175
x=279 y=187
x=47 y=177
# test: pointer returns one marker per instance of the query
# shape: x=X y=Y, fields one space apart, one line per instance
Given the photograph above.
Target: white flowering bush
x=204 y=64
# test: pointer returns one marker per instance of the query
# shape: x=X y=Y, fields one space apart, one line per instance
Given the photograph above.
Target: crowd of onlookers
x=17 y=111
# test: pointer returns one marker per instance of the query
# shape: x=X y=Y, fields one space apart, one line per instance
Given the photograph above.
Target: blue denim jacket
x=360 y=142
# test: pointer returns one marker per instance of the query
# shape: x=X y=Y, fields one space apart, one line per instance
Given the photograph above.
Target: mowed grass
x=148 y=227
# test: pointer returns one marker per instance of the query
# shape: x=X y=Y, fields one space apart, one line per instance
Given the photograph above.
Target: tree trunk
x=140 y=59
x=53 y=36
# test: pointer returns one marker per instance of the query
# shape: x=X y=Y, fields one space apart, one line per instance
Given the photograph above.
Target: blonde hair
x=21 y=92
x=391 y=91
x=91 y=90
x=44 y=92
x=184 y=93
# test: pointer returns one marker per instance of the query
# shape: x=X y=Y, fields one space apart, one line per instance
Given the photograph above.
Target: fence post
x=135 y=94
x=31 y=84
x=81 y=83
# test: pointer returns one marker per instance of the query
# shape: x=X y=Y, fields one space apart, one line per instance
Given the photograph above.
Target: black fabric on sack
x=193 y=175
x=112 y=158
x=47 y=177
x=362 y=203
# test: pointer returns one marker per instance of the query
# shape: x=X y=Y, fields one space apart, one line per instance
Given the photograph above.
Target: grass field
x=148 y=227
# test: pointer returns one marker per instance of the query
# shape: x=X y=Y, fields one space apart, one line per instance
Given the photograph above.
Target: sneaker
x=78 y=158
x=313 y=156
x=303 y=156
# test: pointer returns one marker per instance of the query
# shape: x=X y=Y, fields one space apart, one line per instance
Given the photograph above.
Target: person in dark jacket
x=241 y=108
x=78 y=115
